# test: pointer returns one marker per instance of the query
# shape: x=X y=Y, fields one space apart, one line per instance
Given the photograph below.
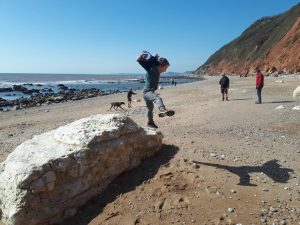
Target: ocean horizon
x=36 y=77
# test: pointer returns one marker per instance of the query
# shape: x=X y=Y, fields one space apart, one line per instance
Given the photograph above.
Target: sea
x=109 y=83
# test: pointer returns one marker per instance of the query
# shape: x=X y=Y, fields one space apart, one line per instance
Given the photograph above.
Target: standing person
x=175 y=82
x=224 y=82
x=259 y=85
x=129 y=97
x=150 y=97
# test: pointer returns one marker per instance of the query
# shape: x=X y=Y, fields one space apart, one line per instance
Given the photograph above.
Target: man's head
x=223 y=74
x=163 y=65
x=257 y=70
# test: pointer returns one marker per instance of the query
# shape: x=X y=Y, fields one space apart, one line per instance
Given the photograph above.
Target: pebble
x=195 y=166
x=223 y=216
x=280 y=107
x=273 y=209
x=263 y=220
x=230 y=210
x=263 y=212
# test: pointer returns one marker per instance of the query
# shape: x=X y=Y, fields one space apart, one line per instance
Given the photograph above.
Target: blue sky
x=106 y=36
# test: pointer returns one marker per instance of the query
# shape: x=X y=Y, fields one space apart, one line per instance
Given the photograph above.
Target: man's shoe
x=152 y=124
x=166 y=112
x=257 y=102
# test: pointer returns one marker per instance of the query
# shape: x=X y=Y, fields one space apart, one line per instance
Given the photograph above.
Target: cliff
x=271 y=43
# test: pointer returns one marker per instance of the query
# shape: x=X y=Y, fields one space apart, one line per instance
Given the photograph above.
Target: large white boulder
x=296 y=93
x=48 y=177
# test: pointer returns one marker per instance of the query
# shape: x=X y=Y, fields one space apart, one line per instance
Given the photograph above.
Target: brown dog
x=116 y=105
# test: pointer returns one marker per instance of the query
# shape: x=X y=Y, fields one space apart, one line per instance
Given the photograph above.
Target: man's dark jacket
x=224 y=82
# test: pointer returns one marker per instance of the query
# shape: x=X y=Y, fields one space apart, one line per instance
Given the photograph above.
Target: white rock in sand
x=296 y=93
x=279 y=107
x=296 y=107
x=45 y=179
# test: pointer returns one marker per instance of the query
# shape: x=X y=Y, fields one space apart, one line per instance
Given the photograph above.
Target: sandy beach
x=247 y=156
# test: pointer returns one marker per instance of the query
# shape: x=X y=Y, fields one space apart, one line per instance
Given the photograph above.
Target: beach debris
x=280 y=107
x=263 y=220
x=279 y=81
x=221 y=157
x=296 y=107
x=296 y=93
x=273 y=210
x=230 y=210
x=195 y=166
x=213 y=154
x=282 y=222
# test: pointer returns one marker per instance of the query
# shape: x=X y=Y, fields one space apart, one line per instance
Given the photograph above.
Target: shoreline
x=25 y=95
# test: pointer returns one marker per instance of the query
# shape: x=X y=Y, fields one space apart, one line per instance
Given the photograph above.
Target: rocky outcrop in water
x=50 y=98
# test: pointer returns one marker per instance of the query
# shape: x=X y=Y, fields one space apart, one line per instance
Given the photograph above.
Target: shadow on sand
x=271 y=168
x=126 y=182
x=240 y=99
x=287 y=101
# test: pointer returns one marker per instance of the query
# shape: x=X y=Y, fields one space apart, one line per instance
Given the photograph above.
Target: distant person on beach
x=259 y=85
x=175 y=83
x=150 y=97
x=172 y=82
x=224 y=82
x=129 y=97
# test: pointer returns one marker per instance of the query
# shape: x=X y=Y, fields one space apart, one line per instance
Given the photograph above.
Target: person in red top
x=259 y=85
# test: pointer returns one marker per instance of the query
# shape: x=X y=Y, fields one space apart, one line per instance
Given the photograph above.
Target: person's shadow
x=271 y=168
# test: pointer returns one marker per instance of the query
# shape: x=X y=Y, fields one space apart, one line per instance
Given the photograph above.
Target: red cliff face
x=271 y=43
x=286 y=53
